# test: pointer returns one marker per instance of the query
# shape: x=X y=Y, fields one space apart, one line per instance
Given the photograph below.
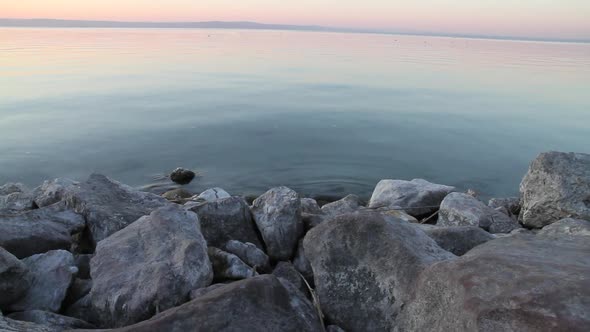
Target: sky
x=550 y=19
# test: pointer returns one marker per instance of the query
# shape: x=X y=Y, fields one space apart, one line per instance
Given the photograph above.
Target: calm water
x=324 y=113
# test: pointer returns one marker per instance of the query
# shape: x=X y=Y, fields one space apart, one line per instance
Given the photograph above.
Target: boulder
x=149 y=266
x=11 y=325
x=16 y=203
x=249 y=254
x=51 y=192
x=15 y=278
x=312 y=220
x=182 y=176
x=228 y=266
x=398 y=214
x=310 y=205
x=514 y=283
x=567 y=227
x=301 y=263
x=109 y=206
x=365 y=265
x=286 y=271
x=458 y=209
x=556 y=186
x=226 y=219
x=348 y=204
x=458 y=239
x=334 y=328
x=417 y=197
x=52 y=273
x=511 y=204
x=195 y=293
x=277 y=214
x=213 y=194
x=177 y=195
x=50 y=319
x=256 y=304
x=11 y=187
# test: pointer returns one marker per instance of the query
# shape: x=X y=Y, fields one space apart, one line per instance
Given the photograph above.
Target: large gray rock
x=556 y=186
x=38 y=231
x=458 y=209
x=51 y=192
x=417 y=197
x=11 y=325
x=226 y=219
x=50 y=319
x=510 y=204
x=515 y=283
x=213 y=194
x=110 y=206
x=228 y=266
x=365 y=266
x=458 y=239
x=16 y=203
x=256 y=304
x=286 y=271
x=15 y=279
x=149 y=266
x=567 y=227
x=310 y=205
x=277 y=214
x=249 y=253
x=301 y=263
x=348 y=204
x=52 y=273
x=12 y=187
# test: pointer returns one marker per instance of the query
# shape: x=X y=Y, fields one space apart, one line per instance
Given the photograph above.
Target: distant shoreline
x=245 y=25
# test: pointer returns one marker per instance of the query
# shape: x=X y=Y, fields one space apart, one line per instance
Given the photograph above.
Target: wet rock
x=277 y=214
x=256 y=304
x=458 y=209
x=310 y=205
x=177 y=195
x=11 y=187
x=567 y=227
x=213 y=194
x=52 y=273
x=51 y=192
x=149 y=266
x=556 y=186
x=301 y=263
x=15 y=279
x=348 y=204
x=458 y=239
x=511 y=204
x=182 y=176
x=249 y=254
x=515 y=283
x=365 y=266
x=109 y=206
x=50 y=319
x=286 y=271
x=228 y=266
x=417 y=197
x=226 y=219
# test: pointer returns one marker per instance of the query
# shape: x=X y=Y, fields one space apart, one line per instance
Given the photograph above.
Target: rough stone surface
x=301 y=263
x=249 y=254
x=195 y=293
x=12 y=187
x=398 y=214
x=109 y=206
x=213 y=194
x=52 y=273
x=16 y=203
x=228 y=266
x=312 y=220
x=515 y=283
x=458 y=209
x=286 y=271
x=261 y=304
x=182 y=176
x=149 y=266
x=51 y=192
x=15 y=279
x=334 y=328
x=365 y=266
x=348 y=204
x=511 y=204
x=177 y=195
x=556 y=186
x=310 y=205
x=567 y=227
x=417 y=197
x=50 y=319
x=226 y=219
x=458 y=239
x=11 y=325
x=277 y=214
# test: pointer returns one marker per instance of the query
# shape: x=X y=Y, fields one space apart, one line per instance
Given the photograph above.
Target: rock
x=11 y=325
x=312 y=220
x=52 y=273
x=334 y=328
x=228 y=266
x=109 y=206
x=226 y=219
x=50 y=319
x=16 y=203
x=515 y=283
x=83 y=264
x=417 y=197
x=567 y=227
x=51 y=192
x=286 y=271
x=249 y=254
x=202 y=291
x=365 y=265
x=511 y=204
x=256 y=304
x=11 y=188
x=556 y=186
x=398 y=214
x=15 y=279
x=301 y=263
x=182 y=176
x=458 y=239
x=277 y=214
x=458 y=209
x=177 y=195
x=213 y=194
x=149 y=266
x=310 y=205
x=348 y=204
x=78 y=289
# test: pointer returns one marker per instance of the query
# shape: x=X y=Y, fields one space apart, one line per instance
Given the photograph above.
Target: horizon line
x=252 y=25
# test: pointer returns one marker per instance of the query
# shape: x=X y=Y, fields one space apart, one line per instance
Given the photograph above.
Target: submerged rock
x=182 y=176
x=228 y=266
x=15 y=278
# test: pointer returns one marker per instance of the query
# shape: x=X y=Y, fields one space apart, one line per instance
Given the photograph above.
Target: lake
x=323 y=113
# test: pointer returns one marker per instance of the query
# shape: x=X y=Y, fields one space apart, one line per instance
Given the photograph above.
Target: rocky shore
x=418 y=256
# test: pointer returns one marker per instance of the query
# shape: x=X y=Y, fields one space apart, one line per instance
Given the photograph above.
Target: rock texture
x=12 y=187
x=11 y=325
x=50 y=319
x=515 y=283
x=511 y=204
x=348 y=204
x=228 y=266
x=310 y=205
x=417 y=197
x=15 y=279
x=301 y=263
x=365 y=266
x=182 y=176
x=277 y=214
x=556 y=186
x=213 y=194
x=567 y=227
x=16 y=203
x=286 y=271
x=459 y=239
x=149 y=266
x=249 y=254
x=51 y=192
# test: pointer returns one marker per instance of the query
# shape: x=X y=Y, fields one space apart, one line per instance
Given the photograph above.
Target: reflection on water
x=324 y=113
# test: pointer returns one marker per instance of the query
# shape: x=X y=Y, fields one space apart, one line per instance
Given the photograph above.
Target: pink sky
x=529 y=18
